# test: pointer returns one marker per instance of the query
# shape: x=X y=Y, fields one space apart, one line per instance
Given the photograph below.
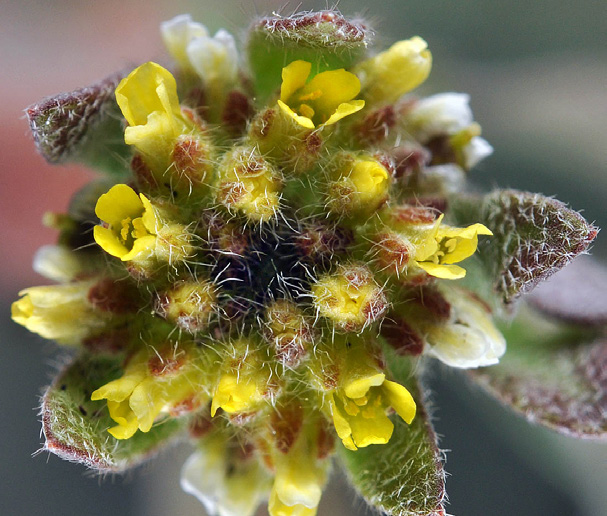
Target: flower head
x=130 y=223
x=322 y=100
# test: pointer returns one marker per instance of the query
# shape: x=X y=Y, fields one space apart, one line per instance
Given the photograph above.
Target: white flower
x=177 y=35
x=214 y=59
x=469 y=338
x=445 y=113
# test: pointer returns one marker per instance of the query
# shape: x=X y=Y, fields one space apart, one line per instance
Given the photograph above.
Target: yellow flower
x=444 y=246
x=59 y=312
x=359 y=403
x=323 y=100
x=167 y=381
x=396 y=71
x=362 y=186
x=148 y=100
x=243 y=379
x=130 y=223
x=234 y=394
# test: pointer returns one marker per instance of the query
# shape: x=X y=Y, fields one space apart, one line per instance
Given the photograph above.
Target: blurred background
x=537 y=74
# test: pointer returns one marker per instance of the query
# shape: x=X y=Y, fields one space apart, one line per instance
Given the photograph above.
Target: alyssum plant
x=279 y=241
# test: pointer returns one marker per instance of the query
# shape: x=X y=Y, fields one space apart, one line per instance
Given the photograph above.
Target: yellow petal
x=147 y=401
x=358 y=387
x=375 y=430
x=451 y=272
x=342 y=427
x=117 y=204
x=400 y=399
x=301 y=120
x=142 y=248
x=345 y=109
x=337 y=87
x=294 y=77
x=147 y=89
x=150 y=220
x=109 y=242
x=125 y=417
x=277 y=508
x=120 y=389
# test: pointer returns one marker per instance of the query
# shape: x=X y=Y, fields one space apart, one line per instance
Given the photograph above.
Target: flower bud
x=249 y=184
x=350 y=298
x=396 y=71
x=358 y=185
x=288 y=331
x=188 y=304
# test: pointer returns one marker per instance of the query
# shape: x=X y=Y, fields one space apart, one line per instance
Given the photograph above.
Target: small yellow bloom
x=362 y=186
x=154 y=383
x=323 y=100
x=60 y=312
x=396 y=71
x=148 y=100
x=243 y=379
x=250 y=184
x=359 y=403
x=444 y=246
x=234 y=394
x=131 y=224
x=350 y=298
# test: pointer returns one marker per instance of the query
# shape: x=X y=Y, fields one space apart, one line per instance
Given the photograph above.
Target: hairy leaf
x=404 y=477
x=577 y=294
x=325 y=38
x=534 y=237
x=553 y=374
x=75 y=427
x=82 y=126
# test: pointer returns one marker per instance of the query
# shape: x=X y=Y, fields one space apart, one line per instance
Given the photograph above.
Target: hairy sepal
x=533 y=237
x=404 y=477
x=75 y=428
x=83 y=126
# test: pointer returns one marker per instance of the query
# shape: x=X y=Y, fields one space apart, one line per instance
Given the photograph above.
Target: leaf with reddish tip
x=533 y=237
x=553 y=374
x=75 y=427
x=82 y=126
x=404 y=477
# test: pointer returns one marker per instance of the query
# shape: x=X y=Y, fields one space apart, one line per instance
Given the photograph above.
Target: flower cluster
x=279 y=245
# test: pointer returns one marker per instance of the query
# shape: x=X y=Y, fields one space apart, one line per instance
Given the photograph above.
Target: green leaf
x=75 y=427
x=404 y=477
x=534 y=237
x=553 y=374
x=82 y=126
x=325 y=38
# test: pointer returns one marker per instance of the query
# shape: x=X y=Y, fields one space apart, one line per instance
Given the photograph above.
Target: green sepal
x=83 y=126
x=75 y=427
x=324 y=38
x=553 y=374
x=533 y=237
x=404 y=477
